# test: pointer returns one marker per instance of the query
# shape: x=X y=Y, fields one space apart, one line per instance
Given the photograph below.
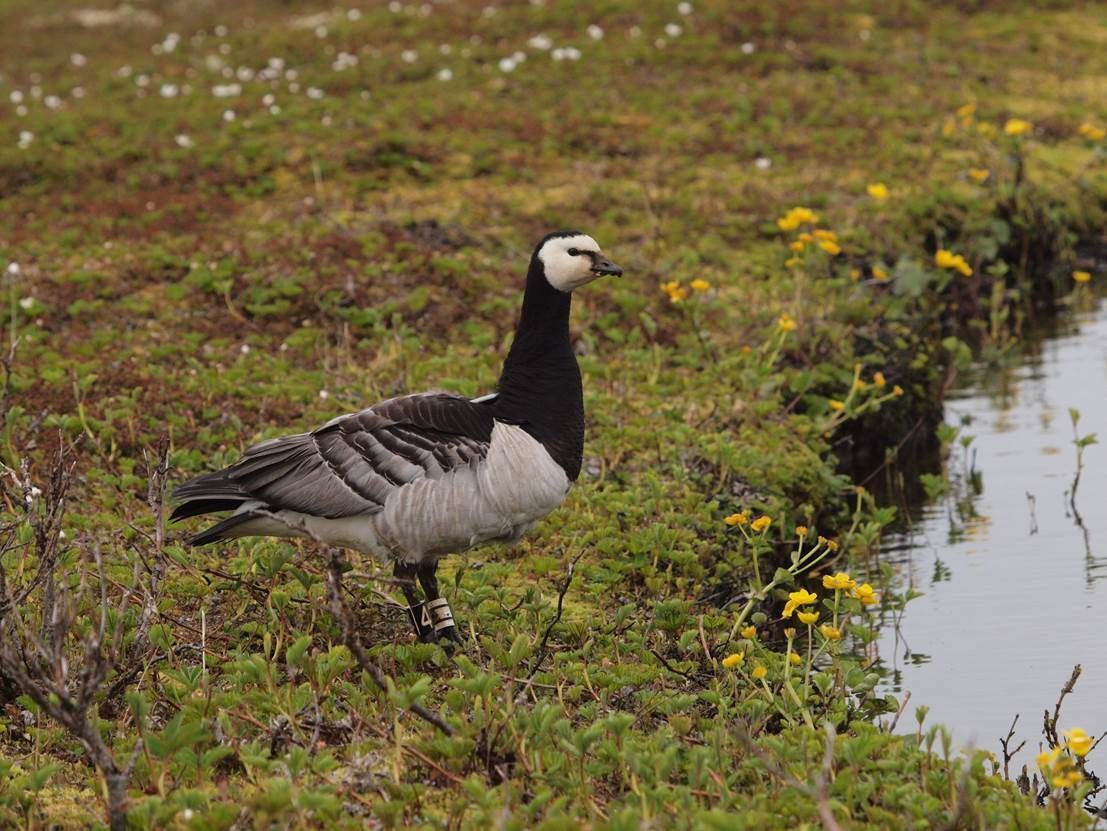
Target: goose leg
x=417 y=611
x=438 y=606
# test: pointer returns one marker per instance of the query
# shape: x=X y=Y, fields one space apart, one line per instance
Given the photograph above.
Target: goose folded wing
x=353 y=463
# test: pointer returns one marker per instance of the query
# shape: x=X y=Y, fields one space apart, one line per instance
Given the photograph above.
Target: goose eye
x=574 y=252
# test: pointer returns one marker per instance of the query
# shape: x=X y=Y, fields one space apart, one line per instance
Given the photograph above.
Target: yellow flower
x=855 y=274
x=806 y=237
x=859 y=385
x=878 y=379
x=986 y=129
x=794 y=659
x=801 y=530
x=947 y=259
x=879 y=273
x=865 y=594
x=897 y=390
x=792 y=262
x=1068 y=779
x=797 y=245
x=978 y=174
x=796 y=217
x=676 y=295
x=1082 y=276
x=966 y=110
x=761 y=523
x=670 y=286
x=830 y=544
x=878 y=191
x=830 y=632
x=749 y=632
x=836 y=405
x=1046 y=758
x=740 y=518
x=700 y=285
x=1017 y=127
x=823 y=234
x=799 y=598
x=949 y=128
x=759 y=672
x=733 y=659
x=1090 y=131
x=841 y=580
x=807 y=617
x=785 y=323
x=1078 y=741
x=830 y=247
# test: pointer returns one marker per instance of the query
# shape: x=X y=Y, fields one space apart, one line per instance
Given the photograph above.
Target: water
x=1015 y=585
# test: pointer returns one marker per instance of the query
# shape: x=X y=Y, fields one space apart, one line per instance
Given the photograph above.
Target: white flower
x=275 y=110
x=16 y=96
x=445 y=49
x=220 y=31
x=26 y=302
x=77 y=59
x=748 y=48
x=226 y=90
x=244 y=73
x=395 y=7
x=294 y=88
x=184 y=140
x=244 y=349
x=268 y=99
x=187 y=814
x=763 y=163
x=314 y=93
x=445 y=75
x=353 y=15
x=13 y=269
x=507 y=64
x=320 y=31
x=228 y=115
x=634 y=31
x=77 y=92
x=595 y=32
x=21 y=110
x=142 y=80
x=25 y=139
x=541 y=42
x=324 y=394
x=409 y=56
x=52 y=101
x=684 y=8
x=673 y=29
x=124 y=71
x=168 y=91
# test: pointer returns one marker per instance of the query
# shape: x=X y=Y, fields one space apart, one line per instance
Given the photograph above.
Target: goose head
x=571 y=259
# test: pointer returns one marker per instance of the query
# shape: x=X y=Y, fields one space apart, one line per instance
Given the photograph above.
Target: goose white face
x=571 y=262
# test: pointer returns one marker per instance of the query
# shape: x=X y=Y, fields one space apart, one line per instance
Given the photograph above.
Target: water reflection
x=1013 y=579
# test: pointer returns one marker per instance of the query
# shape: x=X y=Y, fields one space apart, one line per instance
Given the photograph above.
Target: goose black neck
x=540 y=385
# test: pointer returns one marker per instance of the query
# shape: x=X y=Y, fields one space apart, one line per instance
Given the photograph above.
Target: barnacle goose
x=417 y=477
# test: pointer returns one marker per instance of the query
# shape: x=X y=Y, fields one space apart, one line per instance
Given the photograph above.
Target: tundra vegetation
x=226 y=221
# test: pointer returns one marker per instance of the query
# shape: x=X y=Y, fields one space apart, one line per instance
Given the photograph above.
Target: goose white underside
x=498 y=498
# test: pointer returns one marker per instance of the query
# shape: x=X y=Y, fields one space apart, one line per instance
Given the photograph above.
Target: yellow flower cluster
x=675 y=290
x=831 y=545
x=759 y=672
x=954 y=262
x=749 y=632
x=1082 y=276
x=786 y=323
x=700 y=285
x=879 y=274
x=831 y=633
x=796 y=217
x=978 y=174
x=1017 y=127
x=761 y=523
x=1060 y=767
x=836 y=405
x=1090 y=131
x=1078 y=741
x=819 y=237
x=740 y=518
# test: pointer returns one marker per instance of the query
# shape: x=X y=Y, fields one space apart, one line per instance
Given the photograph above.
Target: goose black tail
x=219 y=531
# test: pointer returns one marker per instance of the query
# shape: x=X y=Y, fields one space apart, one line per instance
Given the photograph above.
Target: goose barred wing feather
x=350 y=465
